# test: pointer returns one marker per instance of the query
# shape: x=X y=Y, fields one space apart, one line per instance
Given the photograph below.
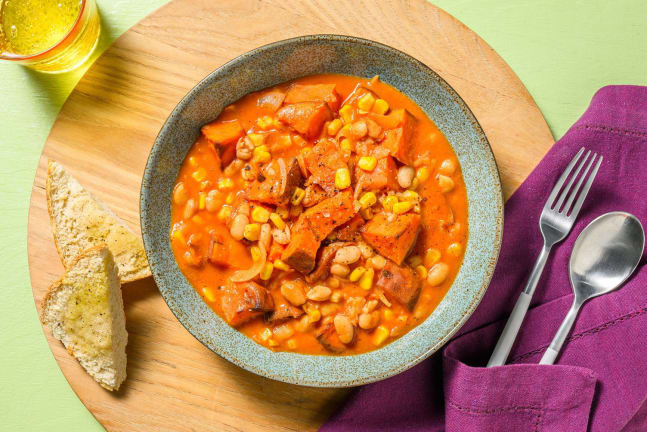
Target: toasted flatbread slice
x=79 y=222
x=85 y=311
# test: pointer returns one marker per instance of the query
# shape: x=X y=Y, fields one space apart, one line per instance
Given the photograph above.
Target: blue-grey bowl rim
x=346 y=381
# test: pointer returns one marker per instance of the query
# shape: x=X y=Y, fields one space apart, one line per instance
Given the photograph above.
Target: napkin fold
x=599 y=382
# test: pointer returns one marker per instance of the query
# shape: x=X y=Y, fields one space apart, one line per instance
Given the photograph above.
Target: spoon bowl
x=605 y=254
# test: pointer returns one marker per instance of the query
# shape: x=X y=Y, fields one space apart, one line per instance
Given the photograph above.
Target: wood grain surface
x=105 y=131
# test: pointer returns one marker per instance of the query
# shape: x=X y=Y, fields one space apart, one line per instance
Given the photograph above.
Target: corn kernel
x=366 y=102
x=177 y=235
x=297 y=196
x=277 y=221
x=252 y=231
x=422 y=174
x=432 y=256
x=389 y=202
x=380 y=106
x=346 y=145
x=266 y=271
x=208 y=294
x=224 y=214
x=261 y=156
x=454 y=249
x=414 y=184
x=366 y=213
x=402 y=207
x=345 y=131
x=421 y=271
x=334 y=126
x=267 y=333
x=272 y=343
x=199 y=174
x=414 y=260
x=416 y=208
x=380 y=335
x=342 y=178
x=314 y=315
x=356 y=274
x=292 y=344
x=296 y=210
x=257 y=139
x=346 y=113
x=367 y=163
x=366 y=280
x=410 y=195
x=387 y=314
x=255 y=251
x=265 y=122
x=260 y=214
x=368 y=199
x=284 y=212
x=225 y=184
x=281 y=265
x=202 y=200
x=193 y=161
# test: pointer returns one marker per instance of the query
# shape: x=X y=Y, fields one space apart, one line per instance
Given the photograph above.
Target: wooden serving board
x=105 y=131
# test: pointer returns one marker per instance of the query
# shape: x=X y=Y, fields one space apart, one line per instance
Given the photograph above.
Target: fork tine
x=562 y=179
x=585 y=190
x=567 y=189
x=576 y=189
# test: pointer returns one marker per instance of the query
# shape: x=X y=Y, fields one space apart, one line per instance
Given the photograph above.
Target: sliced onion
x=284 y=174
x=253 y=271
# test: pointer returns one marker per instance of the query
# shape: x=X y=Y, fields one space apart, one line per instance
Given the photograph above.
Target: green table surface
x=562 y=50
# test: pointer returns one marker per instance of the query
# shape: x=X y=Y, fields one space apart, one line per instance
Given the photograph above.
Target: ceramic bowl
x=273 y=64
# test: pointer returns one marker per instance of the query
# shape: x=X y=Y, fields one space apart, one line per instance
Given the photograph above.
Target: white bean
x=437 y=274
x=265 y=237
x=293 y=292
x=190 y=208
x=446 y=183
x=340 y=270
x=348 y=255
x=405 y=176
x=448 y=167
x=344 y=328
x=238 y=226
x=319 y=293
x=180 y=194
x=211 y=202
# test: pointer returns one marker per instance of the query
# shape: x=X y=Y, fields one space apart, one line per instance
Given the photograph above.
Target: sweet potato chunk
x=327 y=337
x=307 y=118
x=384 y=176
x=222 y=246
x=392 y=239
x=399 y=283
x=301 y=252
x=314 y=93
x=399 y=127
x=322 y=162
x=349 y=230
x=244 y=301
x=269 y=188
x=313 y=226
x=271 y=99
x=224 y=135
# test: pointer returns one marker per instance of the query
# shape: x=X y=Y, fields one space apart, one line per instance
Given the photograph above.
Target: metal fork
x=555 y=222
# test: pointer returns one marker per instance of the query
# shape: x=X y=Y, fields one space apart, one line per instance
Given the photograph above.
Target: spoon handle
x=564 y=329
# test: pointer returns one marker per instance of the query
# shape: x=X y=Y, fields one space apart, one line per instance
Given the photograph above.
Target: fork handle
x=511 y=329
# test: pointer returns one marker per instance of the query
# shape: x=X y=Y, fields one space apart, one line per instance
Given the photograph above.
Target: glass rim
x=21 y=57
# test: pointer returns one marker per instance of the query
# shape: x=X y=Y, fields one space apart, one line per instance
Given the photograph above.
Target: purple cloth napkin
x=600 y=379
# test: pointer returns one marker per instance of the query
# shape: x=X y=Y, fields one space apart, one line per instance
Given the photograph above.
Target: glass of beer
x=48 y=35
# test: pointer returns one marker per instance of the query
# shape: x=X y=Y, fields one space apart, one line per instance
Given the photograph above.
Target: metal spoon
x=605 y=254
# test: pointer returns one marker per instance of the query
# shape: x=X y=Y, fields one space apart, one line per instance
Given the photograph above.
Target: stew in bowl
x=326 y=215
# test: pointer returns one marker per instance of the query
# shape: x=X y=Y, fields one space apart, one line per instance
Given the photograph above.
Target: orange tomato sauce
x=443 y=229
